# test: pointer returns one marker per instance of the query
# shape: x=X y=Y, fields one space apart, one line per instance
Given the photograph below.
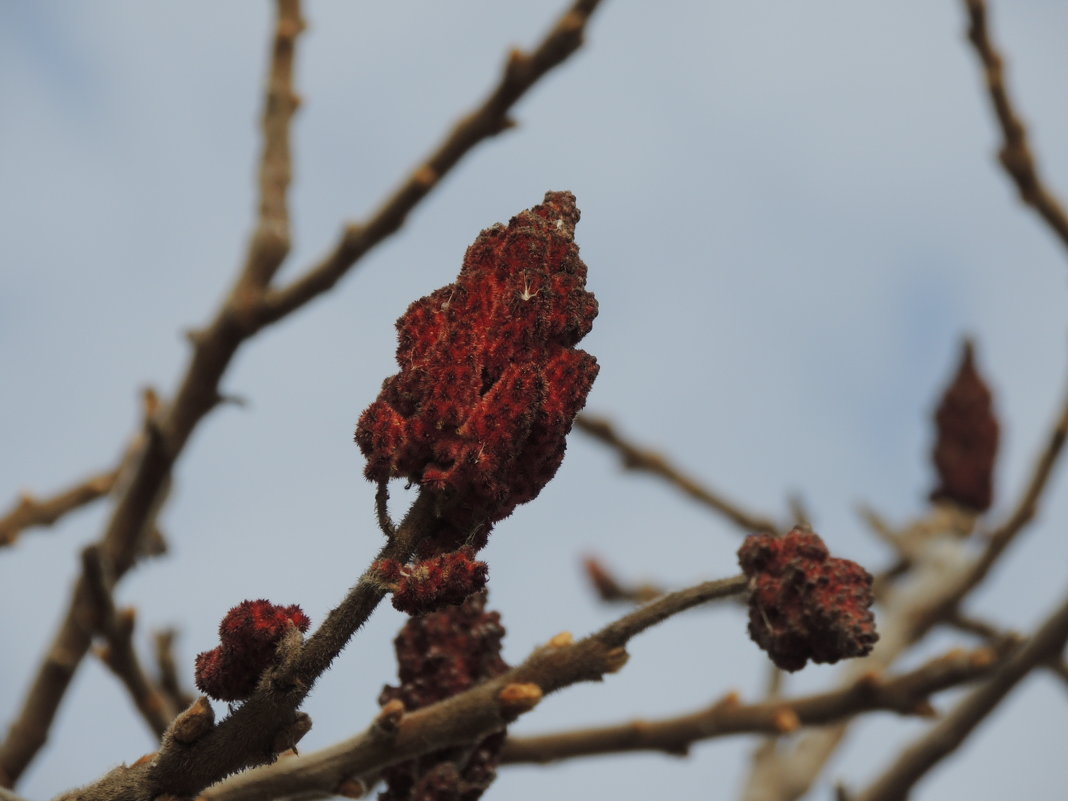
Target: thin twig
x=467 y=716
x=269 y=722
x=915 y=614
x=250 y=306
x=945 y=736
x=167 y=429
x=1015 y=155
x=116 y=627
x=29 y=511
x=638 y=458
x=490 y=118
x=906 y=694
x=610 y=589
x=169 y=683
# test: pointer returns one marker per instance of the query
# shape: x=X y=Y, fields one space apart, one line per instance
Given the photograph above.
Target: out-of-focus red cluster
x=431 y=584
x=490 y=379
x=967 y=442
x=439 y=655
x=249 y=636
x=803 y=603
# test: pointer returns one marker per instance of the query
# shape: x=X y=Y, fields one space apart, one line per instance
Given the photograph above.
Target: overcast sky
x=791 y=214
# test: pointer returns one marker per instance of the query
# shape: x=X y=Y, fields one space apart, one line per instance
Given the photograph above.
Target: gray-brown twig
x=637 y=458
x=116 y=627
x=521 y=72
x=192 y=758
x=29 y=511
x=469 y=715
x=906 y=694
x=944 y=737
x=250 y=306
x=1015 y=154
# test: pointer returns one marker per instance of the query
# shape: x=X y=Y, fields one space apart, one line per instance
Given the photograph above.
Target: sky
x=792 y=213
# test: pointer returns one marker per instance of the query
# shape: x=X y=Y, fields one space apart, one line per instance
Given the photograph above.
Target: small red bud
x=805 y=604
x=248 y=636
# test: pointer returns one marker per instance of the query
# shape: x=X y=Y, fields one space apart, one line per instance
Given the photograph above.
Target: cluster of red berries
x=430 y=584
x=490 y=380
x=803 y=603
x=440 y=655
x=967 y=440
x=249 y=636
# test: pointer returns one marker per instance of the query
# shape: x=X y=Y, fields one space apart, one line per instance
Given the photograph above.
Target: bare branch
x=249 y=307
x=906 y=694
x=1015 y=155
x=610 y=589
x=29 y=511
x=521 y=72
x=946 y=735
x=167 y=430
x=116 y=627
x=468 y=716
x=637 y=458
x=169 y=684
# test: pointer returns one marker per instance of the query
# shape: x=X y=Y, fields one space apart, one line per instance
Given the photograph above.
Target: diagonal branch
x=521 y=72
x=468 y=716
x=168 y=429
x=635 y=457
x=1015 y=155
x=905 y=694
x=946 y=735
x=29 y=511
x=119 y=655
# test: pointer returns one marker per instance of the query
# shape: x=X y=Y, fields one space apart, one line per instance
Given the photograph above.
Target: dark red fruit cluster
x=434 y=583
x=967 y=441
x=805 y=604
x=249 y=636
x=490 y=379
x=439 y=655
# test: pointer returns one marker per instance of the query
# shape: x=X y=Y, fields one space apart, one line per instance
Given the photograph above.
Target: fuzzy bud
x=430 y=584
x=249 y=636
x=439 y=655
x=967 y=442
x=490 y=380
x=805 y=604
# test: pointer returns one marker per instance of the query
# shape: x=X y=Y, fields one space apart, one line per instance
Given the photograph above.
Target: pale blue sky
x=791 y=213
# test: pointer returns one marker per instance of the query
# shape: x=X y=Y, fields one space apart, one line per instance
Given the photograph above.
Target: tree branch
x=945 y=736
x=467 y=716
x=29 y=511
x=116 y=627
x=637 y=458
x=906 y=694
x=521 y=72
x=249 y=307
x=168 y=429
x=1015 y=155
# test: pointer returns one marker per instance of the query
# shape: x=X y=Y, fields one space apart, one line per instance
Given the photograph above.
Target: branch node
x=193 y=723
x=389 y=717
x=517 y=698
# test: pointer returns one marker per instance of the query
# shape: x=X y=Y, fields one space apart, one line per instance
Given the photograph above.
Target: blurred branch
x=467 y=716
x=610 y=589
x=906 y=694
x=249 y=307
x=1015 y=155
x=938 y=591
x=167 y=430
x=637 y=458
x=169 y=683
x=946 y=735
x=521 y=72
x=29 y=511
x=116 y=627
